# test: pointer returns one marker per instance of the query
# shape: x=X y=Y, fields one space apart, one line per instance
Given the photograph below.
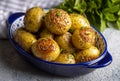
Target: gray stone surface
x=14 y=68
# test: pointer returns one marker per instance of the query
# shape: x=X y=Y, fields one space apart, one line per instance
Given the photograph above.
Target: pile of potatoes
x=57 y=36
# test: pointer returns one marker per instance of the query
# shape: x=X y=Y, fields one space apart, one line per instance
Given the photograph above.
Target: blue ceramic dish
x=15 y=21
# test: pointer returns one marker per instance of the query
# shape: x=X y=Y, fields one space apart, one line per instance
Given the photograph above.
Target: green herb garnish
x=74 y=54
x=69 y=56
x=62 y=50
x=98 y=12
x=71 y=30
x=58 y=14
x=82 y=28
x=50 y=9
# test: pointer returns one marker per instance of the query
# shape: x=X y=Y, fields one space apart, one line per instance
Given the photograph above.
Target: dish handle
x=102 y=63
x=13 y=17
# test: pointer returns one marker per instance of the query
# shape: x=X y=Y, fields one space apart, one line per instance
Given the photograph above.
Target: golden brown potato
x=46 y=33
x=78 y=21
x=33 y=19
x=83 y=38
x=65 y=58
x=87 y=54
x=58 y=21
x=65 y=42
x=46 y=49
x=24 y=39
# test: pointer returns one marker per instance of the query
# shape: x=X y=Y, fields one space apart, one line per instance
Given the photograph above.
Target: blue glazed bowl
x=15 y=21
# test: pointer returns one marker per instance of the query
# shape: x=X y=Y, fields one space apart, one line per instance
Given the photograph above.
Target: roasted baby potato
x=87 y=54
x=83 y=38
x=46 y=33
x=57 y=36
x=33 y=19
x=58 y=21
x=46 y=48
x=65 y=42
x=24 y=39
x=65 y=58
x=78 y=21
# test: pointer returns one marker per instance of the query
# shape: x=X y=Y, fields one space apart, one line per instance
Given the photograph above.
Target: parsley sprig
x=98 y=12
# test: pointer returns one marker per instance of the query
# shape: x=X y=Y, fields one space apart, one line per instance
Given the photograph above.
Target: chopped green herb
x=50 y=9
x=82 y=28
x=87 y=33
x=44 y=38
x=76 y=15
x=62 y=50
x=58 y=14
x=74 y=54
x=69 y=56
x=71 y=30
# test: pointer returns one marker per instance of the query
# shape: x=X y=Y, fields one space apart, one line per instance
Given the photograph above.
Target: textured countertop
x=14 y=68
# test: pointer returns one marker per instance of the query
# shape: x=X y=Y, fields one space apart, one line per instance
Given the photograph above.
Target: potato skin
x=33 y=19
x=65 y=58
x=24 y=39
x=83 y=38
x=46 y=49
x=78 y=21
x=87 y=54
x=58 y=21
x=65 y=42
x=46 y=33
